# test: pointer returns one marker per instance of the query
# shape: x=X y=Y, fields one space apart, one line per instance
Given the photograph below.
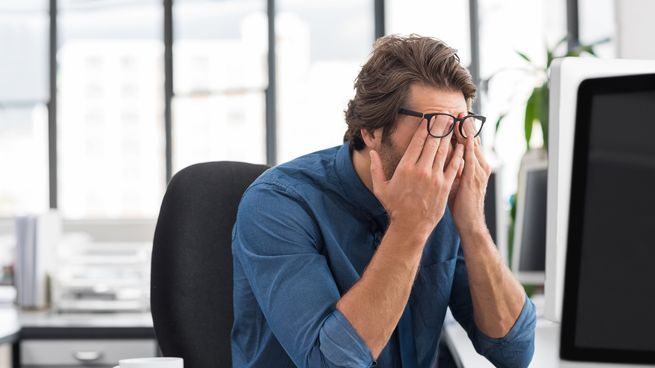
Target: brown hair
x=382 y=85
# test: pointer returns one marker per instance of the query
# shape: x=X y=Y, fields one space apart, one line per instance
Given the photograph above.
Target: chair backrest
x=191 y=275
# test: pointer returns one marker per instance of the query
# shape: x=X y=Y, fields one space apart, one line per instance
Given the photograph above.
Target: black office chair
x=191 y=276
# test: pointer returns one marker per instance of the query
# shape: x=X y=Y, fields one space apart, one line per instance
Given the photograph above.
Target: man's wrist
x=470 y=224
x=412 y=233
x=474 y=234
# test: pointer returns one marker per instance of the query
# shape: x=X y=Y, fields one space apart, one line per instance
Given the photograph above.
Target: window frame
x=378 y=10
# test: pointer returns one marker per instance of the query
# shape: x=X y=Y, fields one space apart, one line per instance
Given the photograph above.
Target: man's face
x=425 y=99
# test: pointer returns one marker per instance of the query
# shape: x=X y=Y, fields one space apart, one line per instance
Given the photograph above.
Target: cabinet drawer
x=83 y=353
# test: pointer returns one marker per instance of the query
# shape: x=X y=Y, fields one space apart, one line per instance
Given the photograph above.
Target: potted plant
x=536 y=109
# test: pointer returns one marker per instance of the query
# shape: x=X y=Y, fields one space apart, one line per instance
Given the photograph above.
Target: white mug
x=151 y=363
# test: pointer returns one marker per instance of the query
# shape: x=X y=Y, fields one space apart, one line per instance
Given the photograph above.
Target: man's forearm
x=376 y=302
x=497 y=296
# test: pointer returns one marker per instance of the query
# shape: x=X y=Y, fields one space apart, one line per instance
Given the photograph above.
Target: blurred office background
x=102 y=101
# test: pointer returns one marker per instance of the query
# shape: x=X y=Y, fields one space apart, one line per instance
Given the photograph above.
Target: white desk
x=546 y=353
x=9 y=325
x=45 y=339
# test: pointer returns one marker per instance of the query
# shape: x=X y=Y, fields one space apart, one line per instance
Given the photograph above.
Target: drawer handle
x=87 y=356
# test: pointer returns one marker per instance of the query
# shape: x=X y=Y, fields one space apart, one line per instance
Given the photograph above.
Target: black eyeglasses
x=471 y=122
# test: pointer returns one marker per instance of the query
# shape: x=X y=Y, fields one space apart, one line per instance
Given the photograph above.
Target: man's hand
x=466 y=199
x=497 y=296
x=415 y=199
x=417 y=194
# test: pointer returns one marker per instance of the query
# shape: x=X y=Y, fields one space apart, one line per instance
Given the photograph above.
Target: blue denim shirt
x=305 y=232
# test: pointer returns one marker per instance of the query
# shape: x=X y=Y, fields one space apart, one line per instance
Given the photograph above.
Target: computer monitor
x=565 y=77
x=609 y=295
x=529 y=243
x=495 y=211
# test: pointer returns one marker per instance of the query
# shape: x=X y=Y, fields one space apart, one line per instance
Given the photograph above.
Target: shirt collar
x=355 y=189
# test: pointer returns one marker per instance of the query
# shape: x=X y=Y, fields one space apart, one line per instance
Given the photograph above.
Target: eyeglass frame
x=429 y=116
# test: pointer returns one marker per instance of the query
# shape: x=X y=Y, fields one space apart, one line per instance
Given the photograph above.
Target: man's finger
x=442 y=151
x=415 y=147
x=430 y=147
x=469 y=128
x=458 y=134
x=469 y=160
x=455 y=163
x=481 y=159
x=451 y=149
x=377 y=173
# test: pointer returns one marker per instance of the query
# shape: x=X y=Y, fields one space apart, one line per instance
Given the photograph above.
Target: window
x=445 y=20
x=597 y=22
x=320 y=48
x=110 y=81
x=220 y=77
x=508 y=26
x=110 y=109
x=23 y=112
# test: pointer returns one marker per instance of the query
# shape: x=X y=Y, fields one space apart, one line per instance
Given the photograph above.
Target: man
x=349 y=257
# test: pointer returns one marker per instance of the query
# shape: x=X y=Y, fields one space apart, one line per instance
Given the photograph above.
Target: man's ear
x=372 y=139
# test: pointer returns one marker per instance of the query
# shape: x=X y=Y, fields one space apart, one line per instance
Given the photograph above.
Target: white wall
x=635 y=29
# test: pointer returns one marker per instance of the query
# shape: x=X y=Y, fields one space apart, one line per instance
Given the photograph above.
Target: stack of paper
x=36 y=239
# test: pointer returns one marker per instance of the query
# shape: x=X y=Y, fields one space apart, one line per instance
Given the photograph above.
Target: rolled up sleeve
x=291 y=280
x=341 y=344
x=514 y=349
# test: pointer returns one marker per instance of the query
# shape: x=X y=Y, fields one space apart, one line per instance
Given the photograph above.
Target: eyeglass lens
x=471 y=127
x=441 y=125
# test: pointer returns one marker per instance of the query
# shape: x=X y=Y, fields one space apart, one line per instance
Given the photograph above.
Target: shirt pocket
x=432 y=291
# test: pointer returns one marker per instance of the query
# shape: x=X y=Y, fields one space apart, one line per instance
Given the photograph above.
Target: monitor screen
x=532 y=255
x=565 y=77
x=490 y=207
x=529 y=255
x=494 y=210
x=609 y=299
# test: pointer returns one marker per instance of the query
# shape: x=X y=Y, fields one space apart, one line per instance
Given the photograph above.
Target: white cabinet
x=83 y=353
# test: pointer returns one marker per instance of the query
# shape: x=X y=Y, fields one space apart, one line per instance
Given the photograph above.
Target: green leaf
x=588 y=49
x=600 y=41
x=530 y=116
x=543 y=113
x=582 y=49
x=560 y=43
x=538 y=106
x=500 y=120
x=524 y=56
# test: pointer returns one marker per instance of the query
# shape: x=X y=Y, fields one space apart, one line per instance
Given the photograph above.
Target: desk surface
x=100 y=320
x=546 y=352
x=47 y=325
x=9 y=325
